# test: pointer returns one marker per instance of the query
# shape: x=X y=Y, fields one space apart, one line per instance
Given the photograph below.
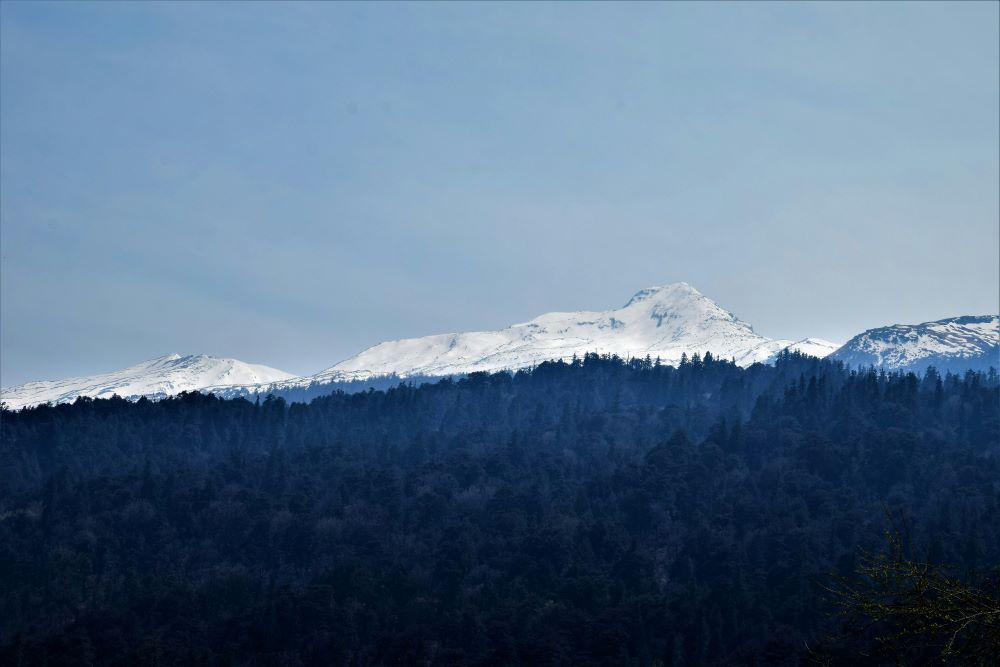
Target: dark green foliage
x=599 y=512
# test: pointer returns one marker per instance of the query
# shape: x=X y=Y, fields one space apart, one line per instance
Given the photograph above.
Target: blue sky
x=288 y=184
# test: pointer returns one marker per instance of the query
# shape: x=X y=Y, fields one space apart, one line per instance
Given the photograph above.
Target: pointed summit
x=672 y=290
x=660 y=322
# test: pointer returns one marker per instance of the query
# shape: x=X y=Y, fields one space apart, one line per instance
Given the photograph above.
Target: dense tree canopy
x=595 y=512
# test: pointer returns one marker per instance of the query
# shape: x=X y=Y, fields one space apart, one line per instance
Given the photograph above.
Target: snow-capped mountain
x=163 y=376
x=956 y=343
x=664 y=322
x=659 y=322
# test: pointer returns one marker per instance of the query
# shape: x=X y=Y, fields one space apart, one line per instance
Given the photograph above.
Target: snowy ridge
x=659 y=322
x=157 y=378
x=664 y=322
x=955 y=343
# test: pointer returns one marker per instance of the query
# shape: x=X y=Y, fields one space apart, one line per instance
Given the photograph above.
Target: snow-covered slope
x=663 y=322
x=956 y=343
x=164 y=376
x=814 y=347
x=658 y=322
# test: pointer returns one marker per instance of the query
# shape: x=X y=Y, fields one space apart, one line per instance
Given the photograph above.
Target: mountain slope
x=660 y=322
x=156 y=378
x=663 y=322
x=955 y=343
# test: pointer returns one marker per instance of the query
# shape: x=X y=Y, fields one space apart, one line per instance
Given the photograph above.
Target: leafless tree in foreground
x=914 y=612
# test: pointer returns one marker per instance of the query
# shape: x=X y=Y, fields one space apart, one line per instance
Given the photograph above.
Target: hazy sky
x=288 y=184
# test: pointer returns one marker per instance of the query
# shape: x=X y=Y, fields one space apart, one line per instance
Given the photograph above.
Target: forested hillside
x=591 y=513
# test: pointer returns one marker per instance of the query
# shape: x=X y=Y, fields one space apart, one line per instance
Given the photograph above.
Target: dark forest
x=599 y=512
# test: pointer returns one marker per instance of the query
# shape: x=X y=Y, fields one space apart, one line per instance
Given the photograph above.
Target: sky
x=289 y=184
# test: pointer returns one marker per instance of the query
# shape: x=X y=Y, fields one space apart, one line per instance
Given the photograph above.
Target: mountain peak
x=664 y=322
x=954 y=343
x=671 y=290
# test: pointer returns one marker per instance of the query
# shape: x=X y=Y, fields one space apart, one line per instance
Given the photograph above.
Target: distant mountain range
x=955 y=344
x=156 y=378
x=659 y=322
